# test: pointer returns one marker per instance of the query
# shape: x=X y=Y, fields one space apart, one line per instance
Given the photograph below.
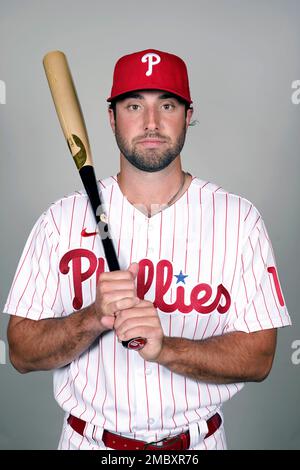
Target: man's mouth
x=151 y=142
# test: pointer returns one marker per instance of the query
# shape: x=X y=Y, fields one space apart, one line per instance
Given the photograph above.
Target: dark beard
x=150 y=160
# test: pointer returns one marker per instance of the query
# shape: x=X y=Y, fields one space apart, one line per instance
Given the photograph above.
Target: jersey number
x=273 y=272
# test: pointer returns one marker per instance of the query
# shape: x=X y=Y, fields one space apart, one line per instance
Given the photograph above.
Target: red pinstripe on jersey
x=115 y=384
x=160 y=233
x=170 y=318
x=121 y=225
x=46 y=283
x=250 y=208
x=103 y=414
x=237 y=243
x=158 y=366
x=186 y=270
x=54 y=221
x=72 y=216
x=93 y=405
x=212 y=238
x=35 y=279
x=147 y=399
x=225 y=234
x=128 y=394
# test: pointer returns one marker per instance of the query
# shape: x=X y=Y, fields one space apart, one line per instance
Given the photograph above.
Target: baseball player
x=198 y=281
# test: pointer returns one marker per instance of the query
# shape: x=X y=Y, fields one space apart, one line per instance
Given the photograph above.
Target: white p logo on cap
x=152 y=59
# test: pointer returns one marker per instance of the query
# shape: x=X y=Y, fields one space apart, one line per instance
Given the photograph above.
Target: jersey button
x=151 y=421
x=148 y=370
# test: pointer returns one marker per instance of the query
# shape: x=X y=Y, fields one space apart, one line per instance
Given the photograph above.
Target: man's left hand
x=141 y=320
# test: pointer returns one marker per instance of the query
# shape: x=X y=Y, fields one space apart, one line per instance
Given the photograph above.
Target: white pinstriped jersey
x=207 y=264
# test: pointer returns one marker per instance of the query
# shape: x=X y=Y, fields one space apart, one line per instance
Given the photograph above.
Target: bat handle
x=88 y=178
x=135 y=343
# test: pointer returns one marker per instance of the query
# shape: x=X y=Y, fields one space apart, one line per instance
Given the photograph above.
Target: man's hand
x=141 y=320
x=116 y=291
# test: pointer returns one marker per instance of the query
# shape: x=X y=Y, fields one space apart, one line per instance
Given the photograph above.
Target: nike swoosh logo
x=84 y=233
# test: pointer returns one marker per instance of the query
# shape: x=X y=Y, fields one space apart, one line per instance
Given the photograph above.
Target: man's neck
x=153 y=190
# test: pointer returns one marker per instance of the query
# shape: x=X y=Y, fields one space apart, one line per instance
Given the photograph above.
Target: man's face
x=150 y=128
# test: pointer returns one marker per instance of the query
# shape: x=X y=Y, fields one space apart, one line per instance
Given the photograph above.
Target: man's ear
x=112 y=120
x=189 y=115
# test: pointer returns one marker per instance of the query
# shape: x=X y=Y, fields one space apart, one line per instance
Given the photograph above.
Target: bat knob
x=135 y=344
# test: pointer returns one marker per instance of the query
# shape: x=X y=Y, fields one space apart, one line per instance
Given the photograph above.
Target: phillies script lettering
x=200 y=294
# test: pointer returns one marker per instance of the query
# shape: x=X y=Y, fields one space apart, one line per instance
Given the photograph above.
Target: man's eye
x=134 y=107
x=168 y=106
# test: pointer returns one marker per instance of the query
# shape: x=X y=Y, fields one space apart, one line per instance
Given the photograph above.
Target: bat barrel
x=73 y=126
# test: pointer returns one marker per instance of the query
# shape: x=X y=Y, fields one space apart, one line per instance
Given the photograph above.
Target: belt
x=117 y=442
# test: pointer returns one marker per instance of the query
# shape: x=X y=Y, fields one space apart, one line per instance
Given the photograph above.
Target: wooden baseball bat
x=73 y=126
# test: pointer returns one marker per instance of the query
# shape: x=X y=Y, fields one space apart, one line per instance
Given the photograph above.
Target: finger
x=133 y=269
x=142 y=304
x=123 y=302
x=145 y=303
x=135 y=313
x=139 y=322
x=126 y=303
x=143 y=331
x=109 y=286
x=113 y=296
x=115 y=275
x=108 y=322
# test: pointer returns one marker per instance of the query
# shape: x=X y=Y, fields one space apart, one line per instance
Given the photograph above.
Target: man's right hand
x=116 y=291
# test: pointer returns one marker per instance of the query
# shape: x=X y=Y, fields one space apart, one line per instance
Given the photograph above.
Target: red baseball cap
x=151 y=69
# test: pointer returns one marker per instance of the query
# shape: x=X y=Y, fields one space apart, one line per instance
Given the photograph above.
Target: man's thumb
x=134 y=268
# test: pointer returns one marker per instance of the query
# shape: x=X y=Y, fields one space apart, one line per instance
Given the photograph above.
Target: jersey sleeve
x=259 y=303
x=34 y=292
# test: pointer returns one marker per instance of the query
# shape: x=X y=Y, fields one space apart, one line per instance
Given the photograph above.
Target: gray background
x=242 y=57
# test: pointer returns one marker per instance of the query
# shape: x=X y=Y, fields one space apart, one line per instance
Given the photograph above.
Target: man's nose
x=151 y=119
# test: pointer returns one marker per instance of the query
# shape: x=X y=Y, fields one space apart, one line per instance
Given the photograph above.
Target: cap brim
x=113 y=97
